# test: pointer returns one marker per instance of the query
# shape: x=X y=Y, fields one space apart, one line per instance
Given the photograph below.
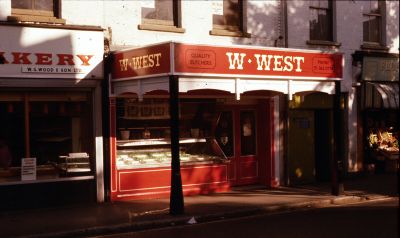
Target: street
x=367 y=219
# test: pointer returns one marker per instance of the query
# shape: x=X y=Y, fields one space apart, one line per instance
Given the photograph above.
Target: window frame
x=381 y=15
x=41 y=16
x=164 y=25
x=332 y=21
x=232 y=30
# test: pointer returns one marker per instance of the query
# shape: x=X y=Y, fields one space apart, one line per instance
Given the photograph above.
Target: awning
x=381 y=95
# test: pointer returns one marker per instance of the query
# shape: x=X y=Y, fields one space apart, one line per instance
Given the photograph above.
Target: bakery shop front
x=210 y=114
x=50 y=115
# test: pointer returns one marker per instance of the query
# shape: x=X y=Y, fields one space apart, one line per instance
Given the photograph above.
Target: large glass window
x=227 y=15
x=321 y=22
x=143 y=132
x=372 y=22
x=55 y=129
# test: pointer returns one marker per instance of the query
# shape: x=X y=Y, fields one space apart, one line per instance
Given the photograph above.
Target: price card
x=28 y=169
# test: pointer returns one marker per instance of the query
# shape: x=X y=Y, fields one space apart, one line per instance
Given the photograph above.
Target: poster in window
x=149 y=3
x=247 y=129
x=217 y=7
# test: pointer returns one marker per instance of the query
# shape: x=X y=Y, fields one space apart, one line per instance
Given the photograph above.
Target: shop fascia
x=200 y=59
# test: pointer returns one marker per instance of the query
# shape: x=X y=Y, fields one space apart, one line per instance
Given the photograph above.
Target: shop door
x=301 y=146
x=236 y=134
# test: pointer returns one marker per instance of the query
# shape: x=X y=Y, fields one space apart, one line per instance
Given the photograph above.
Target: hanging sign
x=28 y=169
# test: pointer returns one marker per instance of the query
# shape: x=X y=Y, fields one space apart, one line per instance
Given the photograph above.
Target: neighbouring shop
x=379 y=105
x=230 y=125
x=50 y=115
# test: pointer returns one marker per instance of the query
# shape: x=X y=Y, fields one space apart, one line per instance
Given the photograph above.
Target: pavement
x=87 y=220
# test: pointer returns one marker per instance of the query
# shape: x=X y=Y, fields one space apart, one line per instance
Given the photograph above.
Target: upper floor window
x=36 y=11
x=372 y=22
x=33 y=7
x=160 y=15
x=321 y=22
x=228 y=17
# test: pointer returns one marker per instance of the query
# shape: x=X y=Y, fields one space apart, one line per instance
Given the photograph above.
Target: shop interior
x=53 y=128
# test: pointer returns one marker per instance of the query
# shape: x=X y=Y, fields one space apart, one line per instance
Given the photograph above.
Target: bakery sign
x=51 y=53
x=47 y=62
x=185 y=59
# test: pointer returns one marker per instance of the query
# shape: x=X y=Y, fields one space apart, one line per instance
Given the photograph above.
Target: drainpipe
x=285 y=23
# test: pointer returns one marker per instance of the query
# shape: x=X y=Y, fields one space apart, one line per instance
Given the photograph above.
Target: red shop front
x=226 y=114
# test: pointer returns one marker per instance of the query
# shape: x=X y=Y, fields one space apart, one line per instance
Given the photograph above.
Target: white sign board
x=32 y=52
x=28 y=169
x=217 y=7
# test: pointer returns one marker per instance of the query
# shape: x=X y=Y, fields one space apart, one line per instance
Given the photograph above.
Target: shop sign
x=255 y=62
x=149 y=61
x=51 y=53
x=380 y=69
x=225 y=62
x=28 y=169
x=47 y=62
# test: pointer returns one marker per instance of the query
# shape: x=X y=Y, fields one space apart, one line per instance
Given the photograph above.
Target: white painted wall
x=123 y=18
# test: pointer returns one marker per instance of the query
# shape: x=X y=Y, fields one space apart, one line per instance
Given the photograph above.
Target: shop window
x=228 y=17
x=56 y=130
x=161 y=15
x=373 y=23
x=321 y=22
x=247 y=133
x=46 y=11
x=144 y=137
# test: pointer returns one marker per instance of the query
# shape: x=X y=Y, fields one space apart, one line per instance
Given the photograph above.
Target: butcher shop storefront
x=209 y=116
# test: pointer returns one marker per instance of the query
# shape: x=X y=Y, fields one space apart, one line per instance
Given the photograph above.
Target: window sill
x=164 y=28
x=323 y=43
x=39 y=19
x=372 y=46
x=220 y=32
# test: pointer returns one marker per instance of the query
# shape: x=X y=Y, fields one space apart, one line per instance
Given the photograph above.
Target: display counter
x=150 y=153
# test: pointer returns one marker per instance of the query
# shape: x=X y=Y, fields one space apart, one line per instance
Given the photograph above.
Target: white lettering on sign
x=267 y=62
x=235 y=61
x=140 y=62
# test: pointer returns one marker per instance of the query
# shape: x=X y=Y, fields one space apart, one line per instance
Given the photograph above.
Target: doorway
x=236 y=133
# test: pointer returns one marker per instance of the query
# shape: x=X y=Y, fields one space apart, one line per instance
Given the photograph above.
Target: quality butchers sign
x=226 y=62
x=51 y=53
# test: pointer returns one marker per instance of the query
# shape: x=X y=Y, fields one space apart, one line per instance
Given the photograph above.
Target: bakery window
x=53 y=128
x=143 y=133
x=38 y=11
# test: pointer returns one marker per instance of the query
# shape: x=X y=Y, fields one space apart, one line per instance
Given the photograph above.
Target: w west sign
x=178 y=59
